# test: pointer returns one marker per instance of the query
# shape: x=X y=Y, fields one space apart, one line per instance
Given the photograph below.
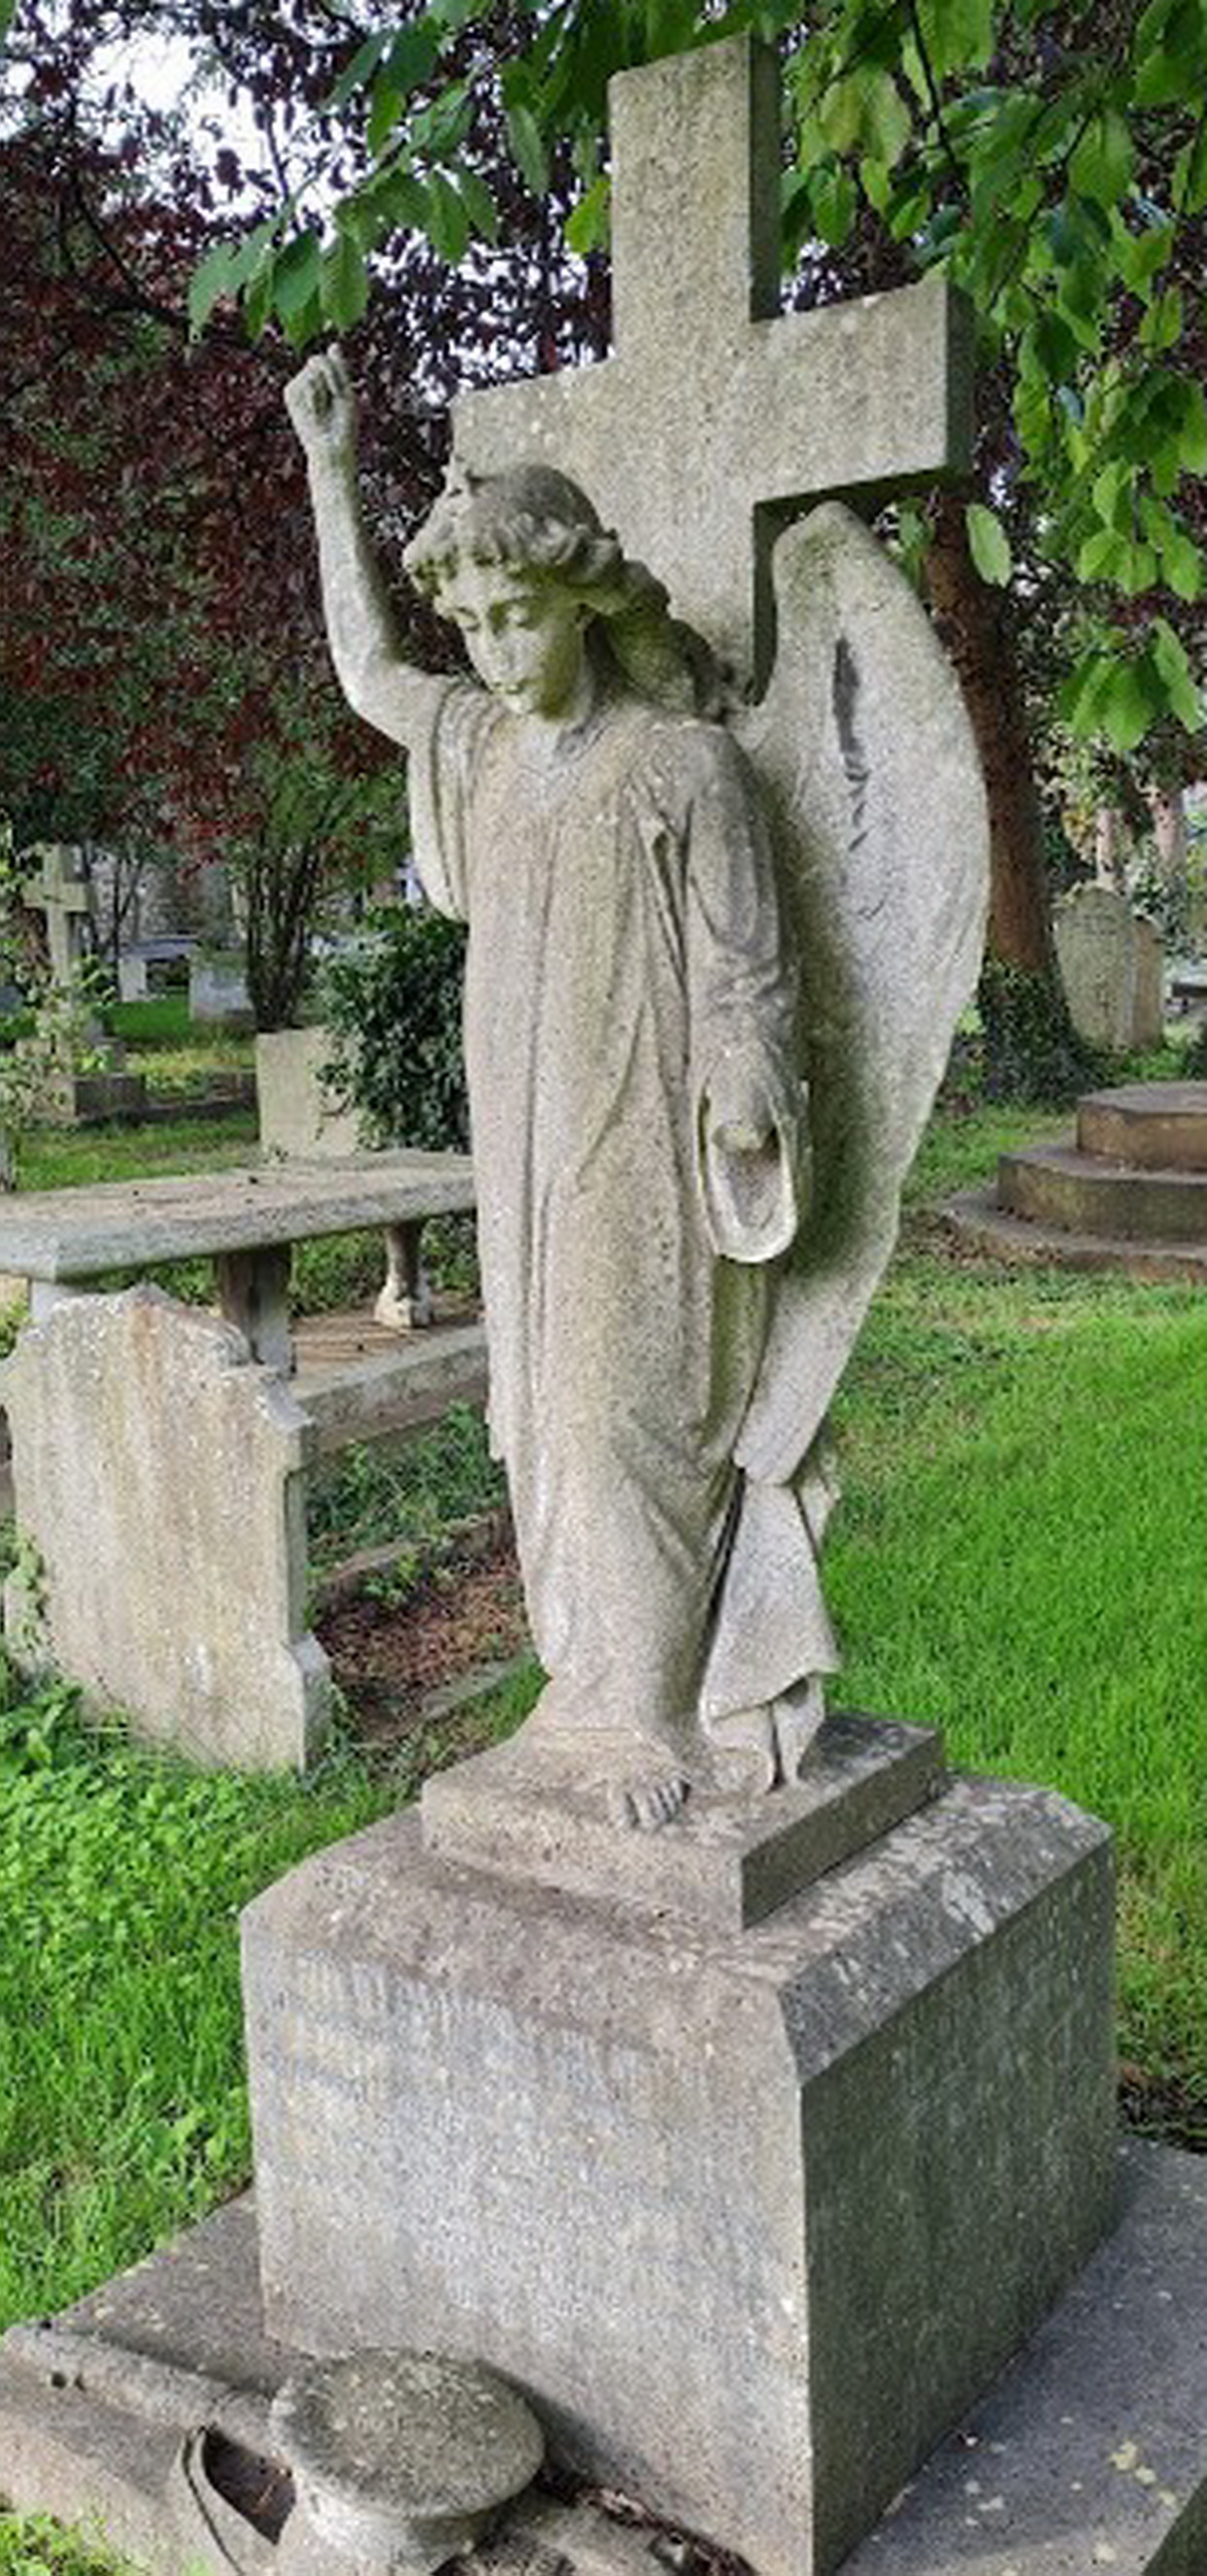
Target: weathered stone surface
x=750 y=2217
x=395 y=1393
x=1055 y=1185
x=1154 y=1125
x=1089 y=2456
x=79 y=1234
x=976 y=1217
x=158 y=1478
x=711 y=391
x=399 y=2459
x=725 y=1864
x=1112 y=967
x=1089 y=2453
x=297 y=1117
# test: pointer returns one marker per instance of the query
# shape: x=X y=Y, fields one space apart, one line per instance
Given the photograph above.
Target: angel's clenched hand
x=322 y=405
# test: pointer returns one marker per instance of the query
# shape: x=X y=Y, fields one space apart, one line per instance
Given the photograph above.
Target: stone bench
x=160 y=1454
x=66 y=1242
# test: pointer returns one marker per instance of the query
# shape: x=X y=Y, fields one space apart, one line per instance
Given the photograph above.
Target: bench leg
x=405 y=1300
x=253 y=1294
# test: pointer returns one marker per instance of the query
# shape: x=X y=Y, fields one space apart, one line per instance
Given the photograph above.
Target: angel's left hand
x=739 y=1114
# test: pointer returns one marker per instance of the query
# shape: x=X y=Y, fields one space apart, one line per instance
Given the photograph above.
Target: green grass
x=121 y=1878
x=369 y=1496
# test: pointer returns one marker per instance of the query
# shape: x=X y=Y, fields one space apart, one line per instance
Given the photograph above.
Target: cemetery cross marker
x=719 y=419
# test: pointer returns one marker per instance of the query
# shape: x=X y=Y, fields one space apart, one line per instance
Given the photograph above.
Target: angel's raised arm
x=375 y=679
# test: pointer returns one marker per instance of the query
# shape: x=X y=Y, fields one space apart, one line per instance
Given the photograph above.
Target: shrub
x=1030 y=1048
x=393 y=1006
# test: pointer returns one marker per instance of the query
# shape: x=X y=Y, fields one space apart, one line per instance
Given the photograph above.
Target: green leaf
x=1192 y=443
x=1162 y=324
x=455 y=14
x=448 y=221
x=412 y=57
x=296 y=276
x=989 y=543
x=835 y=204
x=384 y=113
x=344 y=286
x=361 y=69
x=1112 y=493
x=8 y=11
x=1182 y=565
x=1101 y=555
x=958 y=34
x=1101 y=165
x=589 y=225
x=527 y=148
x=395 y=200
x=1170 y=661
x=479 y=204
x=887 y=124
x=209 y=283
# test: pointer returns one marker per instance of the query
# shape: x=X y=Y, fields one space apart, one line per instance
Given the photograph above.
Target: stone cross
x=60 y=891
x=718 y=419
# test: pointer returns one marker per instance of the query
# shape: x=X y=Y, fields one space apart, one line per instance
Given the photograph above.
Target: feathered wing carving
x=867 y=761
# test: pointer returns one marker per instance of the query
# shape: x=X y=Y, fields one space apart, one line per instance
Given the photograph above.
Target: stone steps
x=1153 y=1125
x=1128 y=1190
x=1058 y=1185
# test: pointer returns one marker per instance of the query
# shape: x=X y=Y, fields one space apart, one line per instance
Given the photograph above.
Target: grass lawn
x=1018 y=1556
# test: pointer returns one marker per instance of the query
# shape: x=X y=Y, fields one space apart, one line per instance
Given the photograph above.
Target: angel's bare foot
x=647 y=1800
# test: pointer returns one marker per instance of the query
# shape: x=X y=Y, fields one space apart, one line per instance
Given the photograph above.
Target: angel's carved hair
x=534 y=521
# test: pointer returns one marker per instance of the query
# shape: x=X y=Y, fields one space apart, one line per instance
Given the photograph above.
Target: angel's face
x=523 y=633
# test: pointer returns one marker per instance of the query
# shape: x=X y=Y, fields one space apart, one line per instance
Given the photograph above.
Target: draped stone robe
x=625 y=938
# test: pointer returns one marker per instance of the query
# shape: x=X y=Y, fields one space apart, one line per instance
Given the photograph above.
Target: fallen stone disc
x=408 y=2432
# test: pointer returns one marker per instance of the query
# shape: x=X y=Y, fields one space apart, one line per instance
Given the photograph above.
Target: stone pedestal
x=751 y=2216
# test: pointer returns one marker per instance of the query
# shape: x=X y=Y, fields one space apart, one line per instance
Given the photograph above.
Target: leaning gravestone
x=159 y=1485
x=730 y=2078
x=1112 y=966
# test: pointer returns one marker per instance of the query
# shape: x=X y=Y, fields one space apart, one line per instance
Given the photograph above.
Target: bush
x=1030 y=1049
x=393 y=1006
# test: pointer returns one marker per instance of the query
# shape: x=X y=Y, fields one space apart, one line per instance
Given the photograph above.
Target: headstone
x=296 y=1116
x=1112 y=967
x=132 y=975
x=159 y=1486
x=218 y=994
x=60 y=892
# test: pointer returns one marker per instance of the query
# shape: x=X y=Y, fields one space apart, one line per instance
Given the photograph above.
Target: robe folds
x=625 y=954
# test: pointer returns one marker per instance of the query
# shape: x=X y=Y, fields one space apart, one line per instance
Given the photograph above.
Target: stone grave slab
x=1088 y=2454
x=159 y=1481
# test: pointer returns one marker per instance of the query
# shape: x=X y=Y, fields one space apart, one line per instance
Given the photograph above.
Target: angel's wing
x=866 y=758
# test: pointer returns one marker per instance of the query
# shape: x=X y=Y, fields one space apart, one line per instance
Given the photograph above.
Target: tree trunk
x=1110 y=847
x=974 y=623
x=1168 y=808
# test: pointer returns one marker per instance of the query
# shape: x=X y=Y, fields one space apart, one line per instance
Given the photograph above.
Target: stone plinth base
x=751 y=2216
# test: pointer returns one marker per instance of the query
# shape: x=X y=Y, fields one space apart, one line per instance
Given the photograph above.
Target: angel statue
x=696 y=966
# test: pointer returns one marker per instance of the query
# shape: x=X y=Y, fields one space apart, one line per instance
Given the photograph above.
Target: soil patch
x=393 y=1646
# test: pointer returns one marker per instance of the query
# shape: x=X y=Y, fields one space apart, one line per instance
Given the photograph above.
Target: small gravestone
x=158 y=1477
x=218 y=994
x=297 y=1117
x=1112 y=967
